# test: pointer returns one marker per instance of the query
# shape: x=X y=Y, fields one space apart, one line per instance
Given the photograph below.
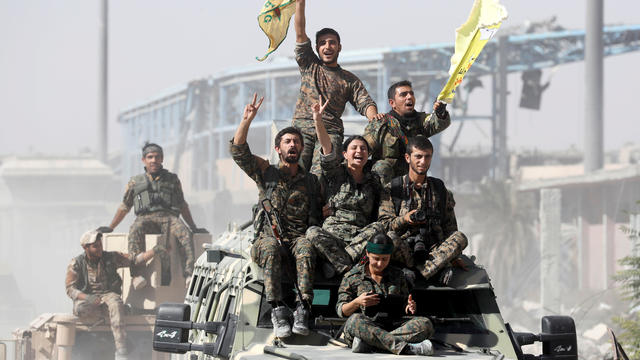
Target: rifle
x=273 y=218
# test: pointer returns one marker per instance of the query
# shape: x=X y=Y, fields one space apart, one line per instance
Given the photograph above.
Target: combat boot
x=301 y=320
x=280 y=318
x=423 y=348
x=359 y=346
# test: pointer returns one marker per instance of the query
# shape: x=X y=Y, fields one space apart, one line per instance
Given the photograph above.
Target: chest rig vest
x=157 y=195
x=114 y=281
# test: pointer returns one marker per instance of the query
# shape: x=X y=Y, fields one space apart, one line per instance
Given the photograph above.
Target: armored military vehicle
x=225 y=315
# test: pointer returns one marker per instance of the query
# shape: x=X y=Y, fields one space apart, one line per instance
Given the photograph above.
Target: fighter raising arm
x=321 y=131
x=300 y=22
x=249 y=114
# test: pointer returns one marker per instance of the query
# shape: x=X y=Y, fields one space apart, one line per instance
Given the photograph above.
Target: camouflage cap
x=89 y=237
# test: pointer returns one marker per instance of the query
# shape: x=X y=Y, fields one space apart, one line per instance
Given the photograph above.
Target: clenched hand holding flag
x=274 y=21
x=483 y=22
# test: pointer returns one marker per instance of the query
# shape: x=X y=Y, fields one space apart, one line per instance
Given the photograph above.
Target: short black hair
x=150 y=147
x=288 y=130
x=346 y=143
x=391 y=93
x=381 y=239
x=327 y=31
x=420 y=142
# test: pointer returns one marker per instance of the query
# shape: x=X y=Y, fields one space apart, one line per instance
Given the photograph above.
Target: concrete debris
x=596 y=333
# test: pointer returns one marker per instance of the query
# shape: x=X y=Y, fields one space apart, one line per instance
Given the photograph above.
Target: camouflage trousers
x=271 y=257
x=412 y=331
x=175 y=231
x=310 y=156
x=112 y=306
x=439 y=256
x=339 y=250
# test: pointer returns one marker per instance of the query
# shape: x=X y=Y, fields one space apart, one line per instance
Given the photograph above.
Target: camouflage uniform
x=358 y=281
x=292 y=198
x=344 y=233
x=100 y=279
x=162 y=219
x=388 y=139
x=448 y=242
x=333 y=83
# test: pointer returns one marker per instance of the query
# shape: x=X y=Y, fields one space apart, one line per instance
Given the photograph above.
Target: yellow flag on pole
x=484 y=21
x=274 y=20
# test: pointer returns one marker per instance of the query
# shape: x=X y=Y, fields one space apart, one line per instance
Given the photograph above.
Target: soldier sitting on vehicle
x=388 y=137
x=352 y=194
x=293 y=195
x=158 y=201
x=93 y=283
x=372 y=287
x=421 y=211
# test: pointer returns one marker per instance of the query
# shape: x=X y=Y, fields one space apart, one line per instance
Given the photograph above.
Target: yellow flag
x=274 y=21
x=483 y=22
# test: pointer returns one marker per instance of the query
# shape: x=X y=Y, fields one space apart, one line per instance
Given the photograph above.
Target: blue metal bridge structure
x=196 y=120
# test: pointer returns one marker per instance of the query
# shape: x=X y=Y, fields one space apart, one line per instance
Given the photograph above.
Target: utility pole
x=103 y=84
x=594 y=64
x=499 y=152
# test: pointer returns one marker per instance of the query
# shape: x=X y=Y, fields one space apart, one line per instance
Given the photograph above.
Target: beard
x=290 y=158
x=415 y=170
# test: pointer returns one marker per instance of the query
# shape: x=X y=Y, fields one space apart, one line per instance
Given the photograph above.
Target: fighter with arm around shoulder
x=388 y=137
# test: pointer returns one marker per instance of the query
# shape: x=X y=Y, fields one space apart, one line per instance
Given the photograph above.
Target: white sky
x=49 y=61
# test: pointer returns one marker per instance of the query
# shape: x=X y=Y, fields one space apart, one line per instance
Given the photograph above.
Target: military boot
x=423 y=348
x=280 y=318
x=301 y=320
x=359 y=346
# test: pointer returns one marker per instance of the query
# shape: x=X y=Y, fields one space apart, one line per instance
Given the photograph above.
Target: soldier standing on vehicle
x=352 y=199
x=294 y=195
x=421 y=211
x=388 y=137
x=93 y=283
x=322 y=76
x=158 y=201
x=366 y=285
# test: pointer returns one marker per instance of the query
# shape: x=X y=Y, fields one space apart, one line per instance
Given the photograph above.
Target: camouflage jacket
x=333 y=83
x=358 y=280
x=101 y=277
x=353 y=205
x=164 y=181
x=416 y=198
x=290 y=196
x=388 y=137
